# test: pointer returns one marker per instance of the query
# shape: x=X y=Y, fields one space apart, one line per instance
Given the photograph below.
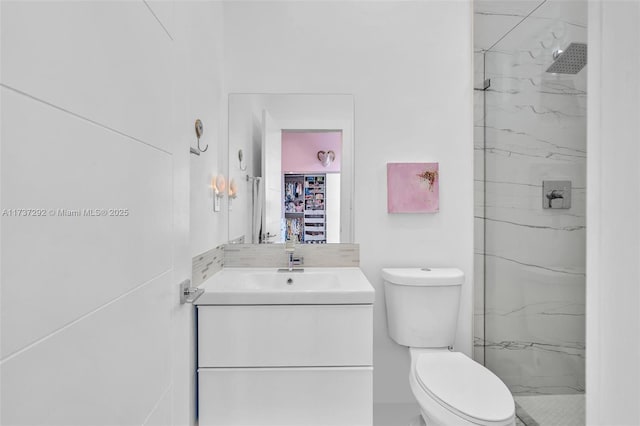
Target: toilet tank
x=422 y=305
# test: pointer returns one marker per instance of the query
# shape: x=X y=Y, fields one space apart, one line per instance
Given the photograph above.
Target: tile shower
x=530 y=126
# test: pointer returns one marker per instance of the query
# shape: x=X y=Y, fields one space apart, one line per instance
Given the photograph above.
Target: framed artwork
x=413 y=188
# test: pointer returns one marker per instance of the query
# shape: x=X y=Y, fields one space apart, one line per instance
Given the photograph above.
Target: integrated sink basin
x=270 y=286
x=281 y=280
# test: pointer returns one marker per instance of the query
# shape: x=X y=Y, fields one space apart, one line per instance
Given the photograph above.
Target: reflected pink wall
x=300 y=149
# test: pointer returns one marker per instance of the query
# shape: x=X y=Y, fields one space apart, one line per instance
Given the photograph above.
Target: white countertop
x=267 y=286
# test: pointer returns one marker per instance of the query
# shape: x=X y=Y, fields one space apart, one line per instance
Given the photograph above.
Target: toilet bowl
x=451 y=388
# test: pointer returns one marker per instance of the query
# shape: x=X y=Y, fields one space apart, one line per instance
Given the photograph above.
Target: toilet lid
x=464 y=386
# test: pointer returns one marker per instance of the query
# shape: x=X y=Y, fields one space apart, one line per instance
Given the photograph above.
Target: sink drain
x=289 y=281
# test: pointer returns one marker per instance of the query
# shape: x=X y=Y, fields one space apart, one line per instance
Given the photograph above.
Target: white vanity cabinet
x=285 y=365
x=278 y=364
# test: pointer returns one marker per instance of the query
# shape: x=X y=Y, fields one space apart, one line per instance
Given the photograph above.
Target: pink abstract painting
x=413 y=188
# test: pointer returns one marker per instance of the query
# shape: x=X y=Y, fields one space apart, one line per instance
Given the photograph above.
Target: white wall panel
x=163 y=10
x=161 y=414
x=107 y=61
x=613 y=207
x=110 y=368
x=108 y=92
x=65 y=267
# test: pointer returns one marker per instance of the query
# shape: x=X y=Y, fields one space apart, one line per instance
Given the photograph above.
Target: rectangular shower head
x=571 y=60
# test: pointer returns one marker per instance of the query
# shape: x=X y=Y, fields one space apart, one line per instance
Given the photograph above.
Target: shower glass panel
x=530 y=273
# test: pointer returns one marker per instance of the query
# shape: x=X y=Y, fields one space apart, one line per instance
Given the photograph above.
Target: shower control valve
x=556 y=194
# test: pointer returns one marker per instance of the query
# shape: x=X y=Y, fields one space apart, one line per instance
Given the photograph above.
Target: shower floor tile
x=551 y=410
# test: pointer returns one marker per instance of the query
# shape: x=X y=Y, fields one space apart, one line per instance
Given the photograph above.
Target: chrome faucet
x=290 y=261
x=289 y=248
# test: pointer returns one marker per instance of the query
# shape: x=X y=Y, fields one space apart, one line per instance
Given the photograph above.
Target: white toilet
x=451 y=388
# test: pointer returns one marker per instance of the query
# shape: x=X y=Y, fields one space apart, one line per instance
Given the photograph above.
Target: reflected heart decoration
x=326 y=158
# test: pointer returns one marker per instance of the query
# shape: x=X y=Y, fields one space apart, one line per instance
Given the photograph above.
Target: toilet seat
x=465 y=388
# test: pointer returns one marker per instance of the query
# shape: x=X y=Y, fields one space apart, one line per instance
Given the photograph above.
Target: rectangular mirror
x=291 y=168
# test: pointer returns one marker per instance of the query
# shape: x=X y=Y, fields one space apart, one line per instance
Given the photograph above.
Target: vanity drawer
x=285 y=396
x=285 y=335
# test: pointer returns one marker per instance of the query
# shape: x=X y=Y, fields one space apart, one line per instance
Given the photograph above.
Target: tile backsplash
x=206 y=264
x=273 y=255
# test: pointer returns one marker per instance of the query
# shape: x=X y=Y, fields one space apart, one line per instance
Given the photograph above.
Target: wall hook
x=240 y=158
x=199 y=132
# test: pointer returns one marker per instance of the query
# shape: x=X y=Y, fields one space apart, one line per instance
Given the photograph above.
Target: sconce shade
x=218 y=183
x=233 y=189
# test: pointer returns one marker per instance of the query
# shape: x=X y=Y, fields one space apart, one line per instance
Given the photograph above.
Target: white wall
x=208 y=228
x=272 y=178
x=412 y=87
x=98 y=102
x=197 y=93
x=613 y=204
x=332 y=204
x=244 y=130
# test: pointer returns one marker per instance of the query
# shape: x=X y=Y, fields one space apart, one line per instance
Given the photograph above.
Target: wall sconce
x=218 y=184
x=326 y=158
x=233 y=189
x=233 y=192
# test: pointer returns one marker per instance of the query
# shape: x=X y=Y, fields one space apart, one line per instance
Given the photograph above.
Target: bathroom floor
x=551 y=410
x=394 y=414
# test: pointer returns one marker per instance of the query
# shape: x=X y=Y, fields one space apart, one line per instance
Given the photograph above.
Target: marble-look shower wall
x=534 y=259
